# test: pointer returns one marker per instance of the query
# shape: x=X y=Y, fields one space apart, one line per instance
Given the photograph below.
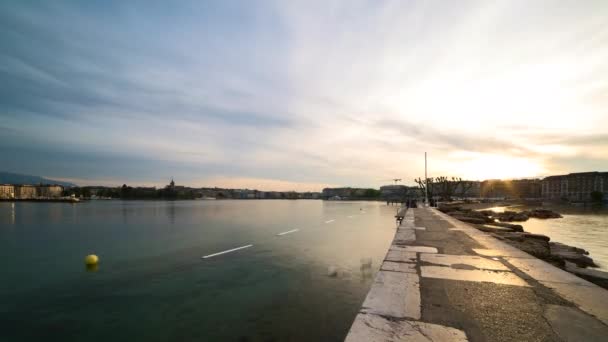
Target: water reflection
x=171 y=212
x=367 y=271
x=7 y=213
x=285 y=278
x=581 y=226
x=92 y=268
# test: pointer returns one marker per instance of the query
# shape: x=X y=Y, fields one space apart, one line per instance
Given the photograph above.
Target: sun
x=499 y=167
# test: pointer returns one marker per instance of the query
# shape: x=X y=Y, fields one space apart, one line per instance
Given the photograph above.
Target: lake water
x=152 y=285
x=584 y=227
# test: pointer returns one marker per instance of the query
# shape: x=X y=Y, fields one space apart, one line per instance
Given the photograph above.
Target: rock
x=514 y=227
x=536 y=236
x=510 y=216
x=543 y=214
x=575 y=255
x=491 y=229
x=446 y=208
x=536 y=247
x=475 y=217
x=511 y=236
x=470 y=219
x=520 y=236
x=488 y=212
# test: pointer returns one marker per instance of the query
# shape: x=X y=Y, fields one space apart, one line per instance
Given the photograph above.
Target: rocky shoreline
x=572 y=259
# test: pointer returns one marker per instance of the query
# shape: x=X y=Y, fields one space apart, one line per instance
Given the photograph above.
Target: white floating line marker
x=330 y=221
x=224 y=252
x=288 y=232
x=351 y=216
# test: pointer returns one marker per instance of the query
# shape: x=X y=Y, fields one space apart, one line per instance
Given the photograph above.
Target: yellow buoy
x=91 y=260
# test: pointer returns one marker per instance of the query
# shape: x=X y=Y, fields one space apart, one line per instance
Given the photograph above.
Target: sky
x=299 y=95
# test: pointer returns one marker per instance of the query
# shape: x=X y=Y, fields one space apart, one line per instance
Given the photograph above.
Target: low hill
x=17 y=178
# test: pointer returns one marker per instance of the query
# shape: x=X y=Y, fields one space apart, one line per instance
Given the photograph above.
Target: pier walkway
x=443 y=280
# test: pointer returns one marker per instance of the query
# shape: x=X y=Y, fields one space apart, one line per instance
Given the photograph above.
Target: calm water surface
x=152 y=284
x=584 y=227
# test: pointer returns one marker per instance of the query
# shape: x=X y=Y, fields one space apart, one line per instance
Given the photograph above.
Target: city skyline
x=301 y=96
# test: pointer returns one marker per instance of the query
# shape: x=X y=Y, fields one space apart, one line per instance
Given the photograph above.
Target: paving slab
x=485 y=311
x=420 y=249
x=394 y=294
x=515 y=253
x=478 y=288
x=398 y=267
x=572 y=325
x=592 y=300
x=543 y=271
x=404 y=236
x=463 y=261
x=399 y=254
x=374 y=328
x=496 y=277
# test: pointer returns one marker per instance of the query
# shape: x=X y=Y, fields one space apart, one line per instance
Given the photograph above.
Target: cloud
x=345 y=93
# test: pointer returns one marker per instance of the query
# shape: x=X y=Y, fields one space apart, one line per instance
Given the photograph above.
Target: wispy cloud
x=307 y=93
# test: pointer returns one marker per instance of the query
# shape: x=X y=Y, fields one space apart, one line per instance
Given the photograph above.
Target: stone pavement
x=443 y=280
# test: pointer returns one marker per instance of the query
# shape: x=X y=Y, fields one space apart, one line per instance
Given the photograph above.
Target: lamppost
x=426 y=181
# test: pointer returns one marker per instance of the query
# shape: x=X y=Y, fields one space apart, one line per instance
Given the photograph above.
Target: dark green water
x=152 y=285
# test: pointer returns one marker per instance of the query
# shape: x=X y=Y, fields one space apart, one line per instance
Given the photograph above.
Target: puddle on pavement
x=464 y=262
x=497 y=277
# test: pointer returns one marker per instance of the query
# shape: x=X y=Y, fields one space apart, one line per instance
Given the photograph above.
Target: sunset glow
x=499 y=167
x=304 y=94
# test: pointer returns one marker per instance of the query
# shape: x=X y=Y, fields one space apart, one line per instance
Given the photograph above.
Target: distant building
x=494 y=188
x=7 y=191
x=49 y=191
x=310 y=195
x=518 y=188
x=328 y=193
x=527 y=188
x=393 y=192
x=458 y=189
x=468 y=189
x=350 y=193
x=24 y=191
x=575 y=187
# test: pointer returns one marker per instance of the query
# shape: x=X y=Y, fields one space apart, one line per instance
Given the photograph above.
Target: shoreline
x=511 y=230
x=444 y=280
x=64 y=200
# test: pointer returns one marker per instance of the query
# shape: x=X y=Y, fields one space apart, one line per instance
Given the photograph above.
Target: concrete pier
x=443 y=280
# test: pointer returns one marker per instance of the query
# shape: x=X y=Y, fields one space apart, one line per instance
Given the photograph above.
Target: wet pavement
x=444 y=280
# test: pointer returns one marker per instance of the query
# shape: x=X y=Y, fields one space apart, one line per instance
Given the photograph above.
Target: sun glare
x=500 y=167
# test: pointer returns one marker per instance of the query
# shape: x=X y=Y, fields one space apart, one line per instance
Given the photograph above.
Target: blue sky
x=298 y=95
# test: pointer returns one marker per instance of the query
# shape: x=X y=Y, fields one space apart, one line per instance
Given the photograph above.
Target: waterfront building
x=457 y=189
x=393 y=192
x=49 y=191
x=574 y=187
x=25 y=191
x=7 y=191
x=349 y=193
x=468 y=189
x=310 y=195
x=328 y=193
x=493 y=188
x=517 y=188
x=526 y=188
